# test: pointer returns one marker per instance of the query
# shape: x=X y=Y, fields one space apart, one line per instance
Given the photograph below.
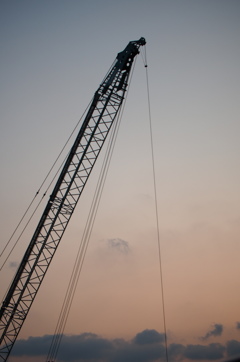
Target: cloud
x=13 y=264
x=140 y=353
x=176 y=350
x=238 y=325
x=148 y=336
x=87 y=345
x=216 y=331
x=119 y=245
x=233 y=348
x=33 y=346
x=213 y=351
x=147 y=346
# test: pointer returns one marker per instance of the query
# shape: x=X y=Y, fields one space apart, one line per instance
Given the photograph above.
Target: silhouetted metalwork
x=103 y=110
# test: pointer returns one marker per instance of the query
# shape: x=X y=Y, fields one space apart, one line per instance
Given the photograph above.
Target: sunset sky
x=54 y=55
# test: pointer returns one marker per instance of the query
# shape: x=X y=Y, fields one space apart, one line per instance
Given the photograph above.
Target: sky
x=54 y=55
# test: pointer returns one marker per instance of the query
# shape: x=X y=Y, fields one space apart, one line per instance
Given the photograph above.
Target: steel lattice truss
x=103 y=110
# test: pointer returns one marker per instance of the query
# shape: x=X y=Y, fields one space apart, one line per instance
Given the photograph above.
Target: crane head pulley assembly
x=123 y=64
x=131 y=50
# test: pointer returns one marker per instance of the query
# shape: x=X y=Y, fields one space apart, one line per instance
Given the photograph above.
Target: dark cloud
x=238 y=325
x=233 y=348
x=149 y=336
x=216 y=331
x=213 y=351
x=146 y=346
x=119 y=245
x=140 y=353
x=33 y=346
x=175 y=350
x=88 y=345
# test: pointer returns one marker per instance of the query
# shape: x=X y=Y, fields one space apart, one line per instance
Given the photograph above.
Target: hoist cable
x=77 y=268
x=37 y=193
x=156 y=207
x=82 y=252
x=78 y=263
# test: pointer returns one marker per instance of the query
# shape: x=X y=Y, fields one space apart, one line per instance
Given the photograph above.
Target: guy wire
x=156 y=207
x=33 y=199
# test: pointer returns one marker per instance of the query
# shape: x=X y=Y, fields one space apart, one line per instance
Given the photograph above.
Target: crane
x=104 y=108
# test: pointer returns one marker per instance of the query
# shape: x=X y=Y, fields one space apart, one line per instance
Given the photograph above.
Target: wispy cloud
x=215 y=332
x=119 y=244
x=13 y=264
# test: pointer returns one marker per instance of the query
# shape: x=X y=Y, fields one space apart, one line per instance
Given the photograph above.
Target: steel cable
x=156 y=206
x=77 y=268
x=36 y=195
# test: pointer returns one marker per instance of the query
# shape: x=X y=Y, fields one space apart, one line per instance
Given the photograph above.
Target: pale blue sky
x=53 y=56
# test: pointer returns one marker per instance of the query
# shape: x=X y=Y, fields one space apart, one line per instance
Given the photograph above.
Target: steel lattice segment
x=63 y=200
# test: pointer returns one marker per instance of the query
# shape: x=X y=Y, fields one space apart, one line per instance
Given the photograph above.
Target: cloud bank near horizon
x=146 y=346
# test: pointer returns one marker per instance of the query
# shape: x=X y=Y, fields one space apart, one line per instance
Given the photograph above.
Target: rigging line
x=87 y=232
x=30 y=218
x=19 y=223
x=143 y=56
x=56 y=173
x=43 y=182
x=79 y=262
x=63 y=148
x=88 y=229
x=156 y=209
x=22 y=232
x=85 y=239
